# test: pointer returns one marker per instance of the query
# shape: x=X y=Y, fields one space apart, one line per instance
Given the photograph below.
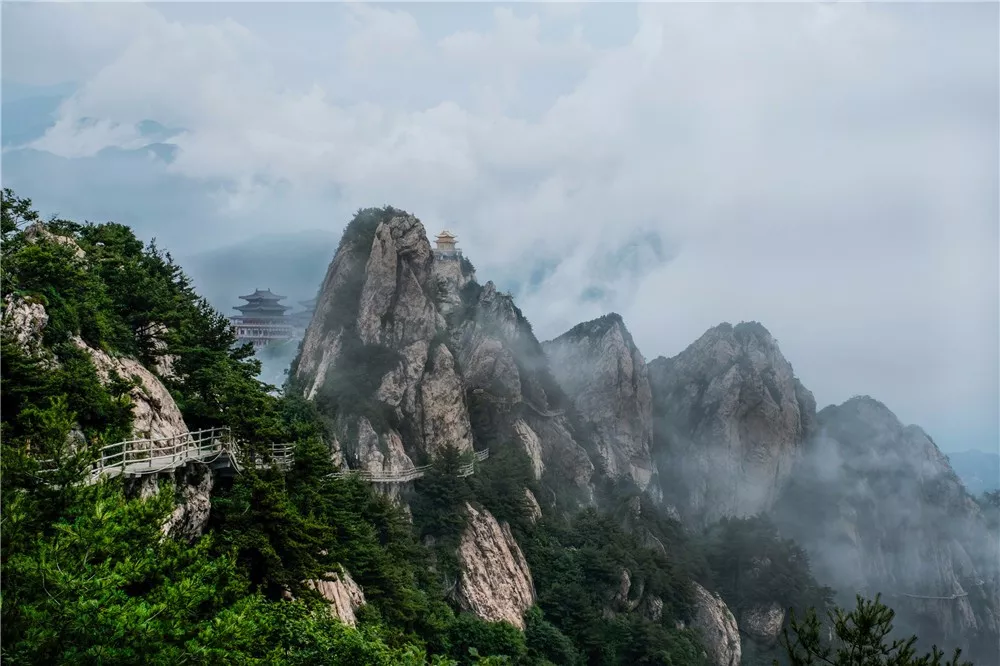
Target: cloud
x=827 y=169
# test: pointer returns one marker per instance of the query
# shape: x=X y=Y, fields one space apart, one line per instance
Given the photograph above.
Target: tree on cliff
x=861 y=638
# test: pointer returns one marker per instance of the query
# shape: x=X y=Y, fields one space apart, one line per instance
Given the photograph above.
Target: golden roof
x=446 y=235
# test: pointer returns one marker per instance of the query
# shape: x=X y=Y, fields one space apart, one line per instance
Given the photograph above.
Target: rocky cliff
x=600 y=368
x=729 y=417
x=375 y=353
x=495 y=582
x=880 y=510
x=717 y=626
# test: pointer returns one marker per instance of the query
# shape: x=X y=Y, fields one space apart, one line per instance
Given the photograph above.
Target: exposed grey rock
x=535 y=509
x=449 y=281
x=193 y=502
x=442 y=398
x=39 y=231
x=599 y=366
x=156 y=333
x=343 y=593
x=763 y=623
x=719 y=633
x=395 y=309
x=531 y=445
x=155 y=414
x=731 y=417
x=495 y=582
x=24 y=319
x=879 y=509
x=383 y=454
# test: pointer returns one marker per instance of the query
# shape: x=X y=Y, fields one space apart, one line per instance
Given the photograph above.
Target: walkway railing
x=140 y=457
x=412 y=474
x=506 y=404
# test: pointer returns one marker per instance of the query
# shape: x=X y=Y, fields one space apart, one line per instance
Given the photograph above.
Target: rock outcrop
x=24 y=320
x=193 y=485
x=763 y=623
x=717 y=626
x=377 y=319
x=729 y=416
x=880 y=510
x=600 y=368
x=495 y=582
x=345 y=595
x=155 y=414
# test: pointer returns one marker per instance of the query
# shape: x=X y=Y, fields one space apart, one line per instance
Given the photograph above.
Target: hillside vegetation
x=89 y=577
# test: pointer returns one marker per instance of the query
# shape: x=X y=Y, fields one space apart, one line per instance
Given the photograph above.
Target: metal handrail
x=139 y=457
x=407 y=475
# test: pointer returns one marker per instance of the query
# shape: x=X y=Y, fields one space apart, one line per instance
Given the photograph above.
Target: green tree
x=860 y=638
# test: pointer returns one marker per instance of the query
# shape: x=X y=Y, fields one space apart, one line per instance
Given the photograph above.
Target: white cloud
x=830 y=170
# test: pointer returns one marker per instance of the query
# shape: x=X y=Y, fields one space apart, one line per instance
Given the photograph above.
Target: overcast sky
x=830 y=170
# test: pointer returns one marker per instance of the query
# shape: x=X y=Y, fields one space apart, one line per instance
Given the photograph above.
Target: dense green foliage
x=89 y=577
x=860 y=638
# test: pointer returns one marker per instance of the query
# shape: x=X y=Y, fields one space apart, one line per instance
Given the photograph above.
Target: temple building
x=262 y=320
x=302 y=318
x=444 y=246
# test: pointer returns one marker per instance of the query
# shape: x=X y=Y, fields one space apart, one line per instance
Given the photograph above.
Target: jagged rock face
x=395 y=308
x=531 y=445
x=384 y=296
x=155 y=414
x=445 y=416
x=503 y=361
x=729 y=416
x=599 y=366
x=322 y=342
x=381 y=454
x=38 y=232
x=535 y=511
x=193 y=502
x=495 y=582
x=449 y=281
x=879 y=509
x=343 y=593
x=719 y=633
x=485 y=346
x=763 y=623
x=24 y=320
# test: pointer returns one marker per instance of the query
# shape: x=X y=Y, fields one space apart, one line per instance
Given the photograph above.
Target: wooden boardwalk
x=215 y=447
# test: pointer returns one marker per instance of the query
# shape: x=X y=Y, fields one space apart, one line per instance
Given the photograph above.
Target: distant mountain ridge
x=978 y=470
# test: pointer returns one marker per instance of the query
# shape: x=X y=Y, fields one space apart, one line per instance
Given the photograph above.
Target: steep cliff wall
x=729 y=416
x=599 y=366
x=495 y=582
x=374 y=355
x=881 y=511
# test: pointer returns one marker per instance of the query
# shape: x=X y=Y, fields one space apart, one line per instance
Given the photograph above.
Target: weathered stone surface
x=719 y=633
x=449 y=281
x=495 y=582
x=763 y=623
x=599 y=366
x=879 y=509
x=155 y=414
x=533 y=506
x=382 y=454
x=193 y=502
x=40 y=232
x=442 y=397
x=731 y=417
x=531 y=445
x=24 y=320
x=322 y=343
x=343 y=593
x=395 y=309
